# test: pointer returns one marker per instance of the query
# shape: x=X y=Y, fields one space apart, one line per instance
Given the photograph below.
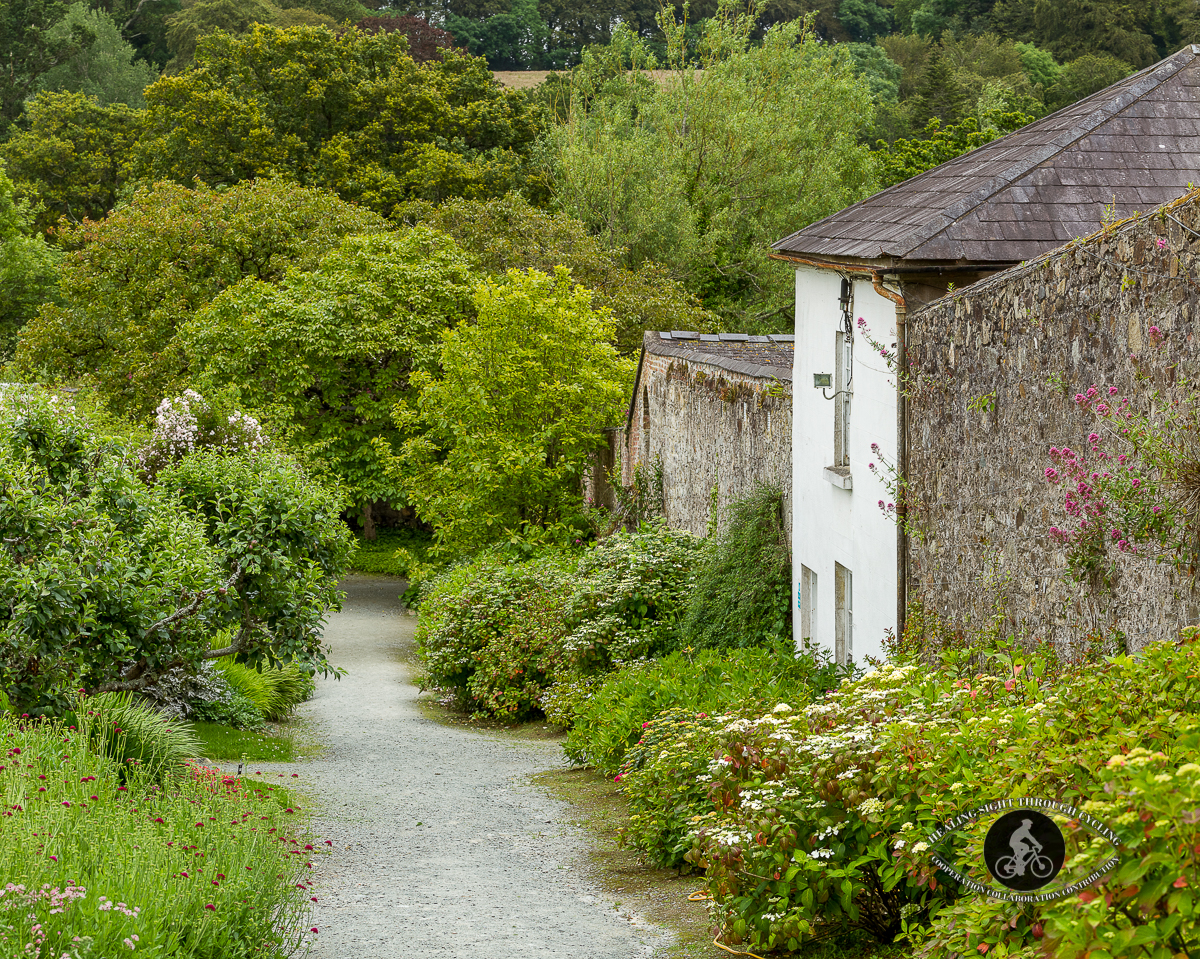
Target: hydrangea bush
x=814 y=819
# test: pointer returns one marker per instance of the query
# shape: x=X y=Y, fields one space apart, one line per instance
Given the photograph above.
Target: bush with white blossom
x=186 y=423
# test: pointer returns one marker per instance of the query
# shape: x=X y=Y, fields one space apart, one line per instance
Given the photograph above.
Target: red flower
x=209 y=905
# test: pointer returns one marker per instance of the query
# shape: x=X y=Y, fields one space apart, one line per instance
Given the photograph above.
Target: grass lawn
x=224 y=743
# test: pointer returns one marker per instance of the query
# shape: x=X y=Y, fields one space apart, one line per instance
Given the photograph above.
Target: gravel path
x=441 y=848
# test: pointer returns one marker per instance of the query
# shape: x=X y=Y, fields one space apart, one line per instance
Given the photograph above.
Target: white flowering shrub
x=817 y=819
x=186 y=423
x=631 y=596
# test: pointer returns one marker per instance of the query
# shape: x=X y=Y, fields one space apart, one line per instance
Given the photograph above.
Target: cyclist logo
x=1024 y=849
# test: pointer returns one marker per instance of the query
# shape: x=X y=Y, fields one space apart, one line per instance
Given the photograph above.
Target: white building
x=1133 y=146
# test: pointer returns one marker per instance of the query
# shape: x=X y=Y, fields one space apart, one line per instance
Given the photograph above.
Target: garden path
x=441 y=847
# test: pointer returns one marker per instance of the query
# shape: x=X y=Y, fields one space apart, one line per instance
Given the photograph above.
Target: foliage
x=491 y=631
x=425 y=41
x=220 y=743
x=126 y=731
x=103 y=69
x=509 y=233
x=200 y=19
x=350 y=112
x=907 y=158
x=274 y=691
x=1134 y=490
x=28 y=50
x=815 y=819
x=190 y=422
x=606 y=726
x=1084 y=76
x=94 y=854
x=70 y=156
x=631 y=594
x=108 y=584
x=506 y=430
x=234 y=710
x=130 y=281
x=326 y=354
x=742 y=595
x=397 y=552
x=701 y=172
x=28 y=266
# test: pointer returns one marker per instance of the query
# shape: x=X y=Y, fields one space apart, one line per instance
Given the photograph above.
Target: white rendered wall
x=832 y=525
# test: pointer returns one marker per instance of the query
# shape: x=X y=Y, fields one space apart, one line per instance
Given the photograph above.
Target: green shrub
x=742 y=595
x=234 y=709
x=611 y=719
x=817 y=818
x=492 y=631
x=631 y=594
x=392 y=552
x=93 y=854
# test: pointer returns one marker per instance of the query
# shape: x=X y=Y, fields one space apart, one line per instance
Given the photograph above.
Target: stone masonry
x=712 y=410
x=997 y=369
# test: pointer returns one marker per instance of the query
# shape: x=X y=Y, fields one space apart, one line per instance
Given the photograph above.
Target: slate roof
x=766 y=357
x=1038 y=187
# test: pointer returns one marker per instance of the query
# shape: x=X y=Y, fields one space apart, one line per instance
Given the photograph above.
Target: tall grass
x=98 y=860
x=274 y=692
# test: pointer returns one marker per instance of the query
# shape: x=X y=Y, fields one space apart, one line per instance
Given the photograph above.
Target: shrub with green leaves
x=127 y=731
x=631 y=595
x=610 y=720
x=742 y=595
x=273 y=691
x=818 y=817
x=492 y=631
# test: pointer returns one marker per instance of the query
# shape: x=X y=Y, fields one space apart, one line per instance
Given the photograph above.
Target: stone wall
x=707 y=424
x=998 y=368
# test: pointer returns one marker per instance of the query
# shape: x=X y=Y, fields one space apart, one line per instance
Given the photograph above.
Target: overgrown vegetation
x=100 y=857
x=742 y=595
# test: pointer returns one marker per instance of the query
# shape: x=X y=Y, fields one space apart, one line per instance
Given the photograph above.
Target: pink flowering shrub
x=1132 y=490
x=189 y=422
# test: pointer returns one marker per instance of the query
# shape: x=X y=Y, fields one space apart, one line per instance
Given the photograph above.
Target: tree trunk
x=368 y=521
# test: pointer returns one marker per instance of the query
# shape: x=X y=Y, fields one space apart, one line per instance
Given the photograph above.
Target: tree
x=28 y=267
x=349 y=112
x=504 y=434
x=509 y=234
x=28 y=50
x=325 y=355
x=864 y=19
x=703 y=171
x=1084 y=76
x=104 y=69
x=70 y=156
x=906 y=158
x=107 y=583
x=425 y=41
x=129 y=281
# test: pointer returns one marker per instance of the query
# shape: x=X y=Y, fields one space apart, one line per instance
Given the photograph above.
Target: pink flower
x=1052 y=474
x=209 y=905
x=1161 y=243
x=1091 y=392
x=1093 y=437
x=1010 y=685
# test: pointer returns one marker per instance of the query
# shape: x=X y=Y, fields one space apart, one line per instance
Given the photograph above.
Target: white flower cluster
x=178 y=430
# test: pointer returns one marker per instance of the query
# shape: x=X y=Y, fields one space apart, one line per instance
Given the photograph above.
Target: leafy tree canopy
x=425 y=41
x=130 y=281
x=324 y=355
x=70 y=155
x=28 y=266
x=505 y=432
x=105 y=67
x=509 y=234
x=703 y=171
x=906 y=158
x=349 y=112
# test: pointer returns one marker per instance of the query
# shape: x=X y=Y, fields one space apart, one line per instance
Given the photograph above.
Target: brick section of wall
x=1031 y=338
x=708 y=424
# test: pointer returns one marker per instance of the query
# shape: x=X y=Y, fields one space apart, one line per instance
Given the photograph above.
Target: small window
x=808 y=605
x=843 y=638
